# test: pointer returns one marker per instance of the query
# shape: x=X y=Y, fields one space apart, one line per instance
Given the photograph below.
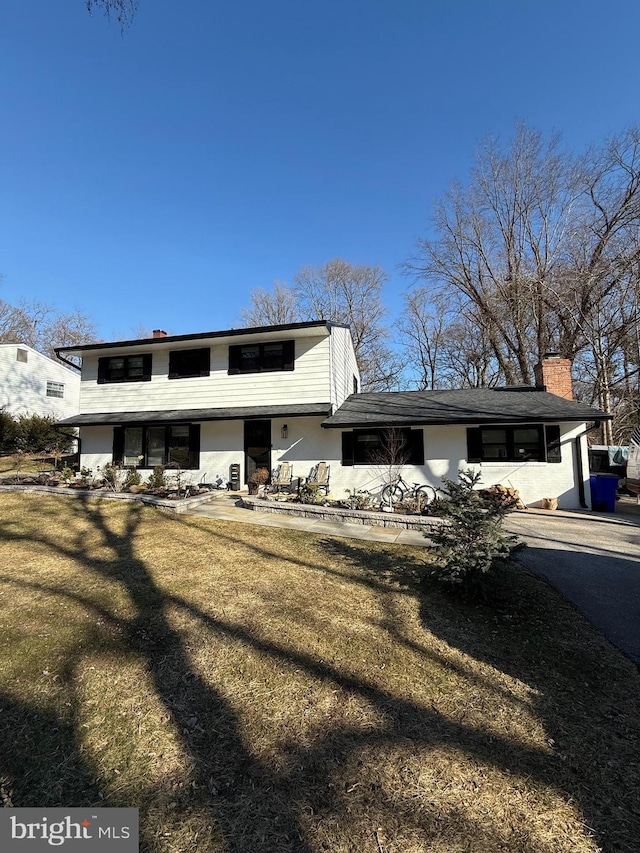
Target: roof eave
x=598 y=416
x=201 y=336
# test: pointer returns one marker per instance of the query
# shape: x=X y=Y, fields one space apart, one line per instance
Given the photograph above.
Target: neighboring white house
x=256 y=397
x=33 y=384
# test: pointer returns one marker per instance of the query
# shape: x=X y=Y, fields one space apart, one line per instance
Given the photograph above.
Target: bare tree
x=344 y=293
x=542 y=251
x=272 y=307
x=498 y=240
x=42 y=327
x=122 y=10
x=353 y=294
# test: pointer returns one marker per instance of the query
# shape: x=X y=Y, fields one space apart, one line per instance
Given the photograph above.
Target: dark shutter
x=474 y=444
x=234 y=359
x=288 y=355
x=118 y=445
x=194 y=445
x=347 y=448
x=552 y=433
x=416 y=446
x=102 y=370
x=146 y=367
x=174 y=364
x=205 y=361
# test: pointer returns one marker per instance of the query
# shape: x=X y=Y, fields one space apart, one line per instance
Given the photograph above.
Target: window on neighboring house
x=124 y=368
x=521 y=443
x=146 y=445
x=55 y=389
x=262 y=358
x=355 y=384
x=187 y=363
x=22 y=355
x=391 y=446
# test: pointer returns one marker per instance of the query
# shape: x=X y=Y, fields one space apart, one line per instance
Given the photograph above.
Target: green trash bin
x=603 y=492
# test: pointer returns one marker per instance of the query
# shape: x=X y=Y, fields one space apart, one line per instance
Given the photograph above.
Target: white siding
x=23 y=386
x=445 y=450
x=343 y=365
x=222 y=443
x=309 y=382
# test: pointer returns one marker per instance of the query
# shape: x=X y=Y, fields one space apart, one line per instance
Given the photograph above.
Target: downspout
x=581 y=492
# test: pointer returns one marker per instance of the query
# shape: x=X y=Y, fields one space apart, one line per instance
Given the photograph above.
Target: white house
x=32 y=384
x=256 y=397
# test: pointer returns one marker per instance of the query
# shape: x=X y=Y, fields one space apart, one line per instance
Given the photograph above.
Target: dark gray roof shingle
x=467 y=406
x=191 y=415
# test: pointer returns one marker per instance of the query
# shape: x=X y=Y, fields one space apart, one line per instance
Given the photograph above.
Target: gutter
x=66 y=360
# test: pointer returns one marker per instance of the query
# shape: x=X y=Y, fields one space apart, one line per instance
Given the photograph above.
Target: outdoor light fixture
x=284 y=432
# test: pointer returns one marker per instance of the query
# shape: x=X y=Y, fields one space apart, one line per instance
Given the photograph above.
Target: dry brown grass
x=256 y=690
x=24 y=463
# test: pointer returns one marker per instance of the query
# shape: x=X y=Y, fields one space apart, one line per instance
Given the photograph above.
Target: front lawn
x=256 y=690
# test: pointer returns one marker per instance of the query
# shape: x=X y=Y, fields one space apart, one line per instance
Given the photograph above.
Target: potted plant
x=258 y=478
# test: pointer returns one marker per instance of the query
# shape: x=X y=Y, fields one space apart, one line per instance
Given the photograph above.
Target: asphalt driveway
x=593 y=558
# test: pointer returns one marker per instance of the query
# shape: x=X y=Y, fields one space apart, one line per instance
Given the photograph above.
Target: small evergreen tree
x=38 y=434
x=473 y=541
x=7 y=432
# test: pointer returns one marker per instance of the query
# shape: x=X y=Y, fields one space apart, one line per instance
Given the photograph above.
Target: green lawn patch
x=262 y=690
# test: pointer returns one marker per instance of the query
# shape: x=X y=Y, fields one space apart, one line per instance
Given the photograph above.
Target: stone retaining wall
x=424 y=523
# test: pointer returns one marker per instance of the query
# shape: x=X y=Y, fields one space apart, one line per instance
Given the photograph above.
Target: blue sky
x=153 y=178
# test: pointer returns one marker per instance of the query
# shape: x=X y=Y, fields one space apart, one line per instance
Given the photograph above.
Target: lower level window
x=146 y=446
x=392 y=446
x=521 y=443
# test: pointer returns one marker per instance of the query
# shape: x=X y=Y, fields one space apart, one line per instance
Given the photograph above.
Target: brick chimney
x=553 y=374
x=159 y=333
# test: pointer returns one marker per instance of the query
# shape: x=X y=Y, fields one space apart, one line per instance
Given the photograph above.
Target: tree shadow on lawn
x=254 y=805
x=527 y=631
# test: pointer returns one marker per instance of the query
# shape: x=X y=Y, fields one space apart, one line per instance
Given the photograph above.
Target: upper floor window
x=521 y=443
x=185 y=363
x=124 y=368
x=22 y=355
x=55 y=389
x=262 y=358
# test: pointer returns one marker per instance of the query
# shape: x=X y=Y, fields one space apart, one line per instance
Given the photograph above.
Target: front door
x=257 y=447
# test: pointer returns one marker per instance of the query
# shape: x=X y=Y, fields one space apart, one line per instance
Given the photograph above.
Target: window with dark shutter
x=347 y=448
x=124 y=368
x=416 y=446
x=474 y=445
x=189 y=363
x=552 y=436
x=500 y=443
x=194 y=446
x=118 y=445
x=148 y=445
x=391 y=446
x=265 y=357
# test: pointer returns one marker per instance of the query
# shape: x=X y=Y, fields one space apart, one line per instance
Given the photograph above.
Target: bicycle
x=400 y=490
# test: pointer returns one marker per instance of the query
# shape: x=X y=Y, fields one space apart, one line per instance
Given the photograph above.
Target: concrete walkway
x=593 y=558
x=224 y=506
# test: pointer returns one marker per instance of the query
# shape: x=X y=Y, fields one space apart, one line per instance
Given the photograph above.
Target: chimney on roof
x=159 y=333
x=553 y=374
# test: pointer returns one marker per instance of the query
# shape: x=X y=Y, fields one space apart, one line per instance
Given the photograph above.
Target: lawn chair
x=319 y=477
x=282 y=478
